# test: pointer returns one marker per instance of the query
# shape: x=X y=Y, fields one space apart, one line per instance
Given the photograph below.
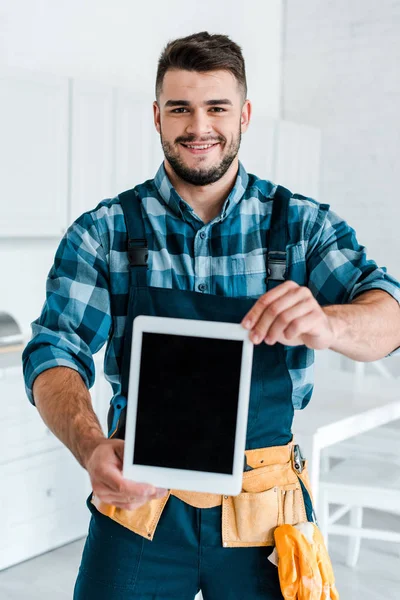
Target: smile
x=200 y=148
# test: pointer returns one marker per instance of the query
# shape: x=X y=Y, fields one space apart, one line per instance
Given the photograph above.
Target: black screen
x=188 y=401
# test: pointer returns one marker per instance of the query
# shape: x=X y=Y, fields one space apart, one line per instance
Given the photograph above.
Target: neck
x=207 y=200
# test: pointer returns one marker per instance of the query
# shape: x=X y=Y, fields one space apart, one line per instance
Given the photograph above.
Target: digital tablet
x=188 y=398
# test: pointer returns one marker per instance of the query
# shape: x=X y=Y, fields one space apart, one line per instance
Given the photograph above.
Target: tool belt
x=271 y=496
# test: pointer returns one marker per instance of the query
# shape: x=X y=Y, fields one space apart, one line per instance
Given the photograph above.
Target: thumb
x=118 y=447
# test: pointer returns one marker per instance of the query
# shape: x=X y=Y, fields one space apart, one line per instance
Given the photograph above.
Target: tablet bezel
x=182 y=479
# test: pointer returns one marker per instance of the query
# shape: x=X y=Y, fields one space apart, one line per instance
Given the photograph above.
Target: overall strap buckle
x=276 y=269
x=138 y=252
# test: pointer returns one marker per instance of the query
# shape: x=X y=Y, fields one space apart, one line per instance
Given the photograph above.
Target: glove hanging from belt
x=304 y=567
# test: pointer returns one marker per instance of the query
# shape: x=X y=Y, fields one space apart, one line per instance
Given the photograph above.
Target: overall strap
x=278 y=238
x=137 y=244
x=137 y=249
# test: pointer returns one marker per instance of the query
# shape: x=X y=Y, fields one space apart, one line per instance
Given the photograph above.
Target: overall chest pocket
x=250 y=271
x=249 y=274
x=296 y=263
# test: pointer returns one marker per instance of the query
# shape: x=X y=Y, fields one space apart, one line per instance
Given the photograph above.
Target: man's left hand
x=289 y=314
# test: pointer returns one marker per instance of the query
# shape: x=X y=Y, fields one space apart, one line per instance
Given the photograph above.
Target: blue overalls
x=186 y=554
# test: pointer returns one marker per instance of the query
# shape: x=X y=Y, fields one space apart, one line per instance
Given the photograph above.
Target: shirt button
x=202 y=235
x=202 y=287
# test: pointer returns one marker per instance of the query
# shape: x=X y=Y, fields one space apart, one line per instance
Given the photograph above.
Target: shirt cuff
x=56 y=362
x=386 y=287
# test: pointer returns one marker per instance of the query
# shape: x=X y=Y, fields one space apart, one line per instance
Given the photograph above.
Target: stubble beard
x=200 y=176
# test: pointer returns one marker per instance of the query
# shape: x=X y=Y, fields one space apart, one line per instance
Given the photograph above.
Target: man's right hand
x=105 y=470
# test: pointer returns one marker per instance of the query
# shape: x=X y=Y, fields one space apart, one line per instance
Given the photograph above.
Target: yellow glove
x=304 y=567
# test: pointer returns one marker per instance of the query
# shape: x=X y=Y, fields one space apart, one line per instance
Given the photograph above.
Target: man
x=220 y=242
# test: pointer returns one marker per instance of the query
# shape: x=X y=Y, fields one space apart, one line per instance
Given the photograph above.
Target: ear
x=157 y=116
x=245 y=116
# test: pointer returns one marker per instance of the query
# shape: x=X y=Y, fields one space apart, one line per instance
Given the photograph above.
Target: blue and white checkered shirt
x=87 y=286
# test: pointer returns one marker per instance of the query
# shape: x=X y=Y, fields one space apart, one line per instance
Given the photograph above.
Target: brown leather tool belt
x=271 y=496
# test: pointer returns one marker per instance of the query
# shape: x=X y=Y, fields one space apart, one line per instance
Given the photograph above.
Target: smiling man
x=200 y=118
x=204 y=239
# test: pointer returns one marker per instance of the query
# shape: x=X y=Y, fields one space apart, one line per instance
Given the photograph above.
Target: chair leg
x=325 y=464
x=323 y=515
x=353 y=549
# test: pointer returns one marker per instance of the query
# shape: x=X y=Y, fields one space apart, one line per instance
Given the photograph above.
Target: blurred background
x=76 y=91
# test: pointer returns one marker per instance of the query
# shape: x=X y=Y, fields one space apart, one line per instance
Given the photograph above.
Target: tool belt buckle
x=298 y=459
x=246 y=466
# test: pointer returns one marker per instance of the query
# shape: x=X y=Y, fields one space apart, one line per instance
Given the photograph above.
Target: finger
x=251 y=318
x=125 y=501
x=311 y=329
x=119 y=449
x=280 y=328
x=112 y=477
x=123 y=505
x=125 y=487
x=275 y=310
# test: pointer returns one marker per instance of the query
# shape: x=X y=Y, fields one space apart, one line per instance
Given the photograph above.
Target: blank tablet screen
x=187 y=402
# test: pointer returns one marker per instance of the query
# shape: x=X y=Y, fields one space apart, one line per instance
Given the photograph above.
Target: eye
x=178 y=111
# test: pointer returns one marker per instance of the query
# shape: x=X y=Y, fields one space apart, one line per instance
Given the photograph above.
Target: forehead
x=191 y=84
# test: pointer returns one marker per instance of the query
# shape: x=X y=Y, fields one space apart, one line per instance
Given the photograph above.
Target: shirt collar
x=179 y=206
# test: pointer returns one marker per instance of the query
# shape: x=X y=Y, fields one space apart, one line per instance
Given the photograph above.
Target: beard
x=200 y=176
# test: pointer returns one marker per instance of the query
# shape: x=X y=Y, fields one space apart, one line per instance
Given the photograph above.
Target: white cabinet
x=101 y=395
x=92 y=146
x=33 y=154
x=297 y=158
x=134 y=139
x=258 y=147
x=42 y=505
x=22 y=431
x=43 y=488
x=65 y=145
x=114 y=144
x=286 y=153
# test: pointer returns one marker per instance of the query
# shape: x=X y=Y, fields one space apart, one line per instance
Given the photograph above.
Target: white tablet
x=188 y=398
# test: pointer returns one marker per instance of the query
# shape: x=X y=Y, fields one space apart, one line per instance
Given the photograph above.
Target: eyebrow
x=206 y=103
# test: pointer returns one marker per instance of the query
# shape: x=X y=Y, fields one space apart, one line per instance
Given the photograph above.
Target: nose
x=199 y=124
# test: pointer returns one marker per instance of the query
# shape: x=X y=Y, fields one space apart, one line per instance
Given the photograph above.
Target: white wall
x=119 y=42
x=341 y=74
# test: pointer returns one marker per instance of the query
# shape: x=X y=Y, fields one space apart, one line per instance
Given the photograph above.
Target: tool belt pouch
x=271 y=496
x=142 y=520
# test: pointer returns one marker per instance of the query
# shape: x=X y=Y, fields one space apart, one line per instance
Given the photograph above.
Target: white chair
x=378 y=443
x=369 y=476
x=382 y=443
x=355 y=484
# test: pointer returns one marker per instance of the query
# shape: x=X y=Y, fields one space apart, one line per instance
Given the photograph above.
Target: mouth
x=200 y=148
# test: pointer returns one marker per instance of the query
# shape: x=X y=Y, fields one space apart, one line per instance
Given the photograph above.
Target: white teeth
x=199 y=147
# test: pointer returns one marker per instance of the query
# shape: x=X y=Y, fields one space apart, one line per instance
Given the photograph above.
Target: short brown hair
x=202 y=52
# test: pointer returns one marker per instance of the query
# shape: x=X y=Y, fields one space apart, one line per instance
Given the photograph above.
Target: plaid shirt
x=87 y=285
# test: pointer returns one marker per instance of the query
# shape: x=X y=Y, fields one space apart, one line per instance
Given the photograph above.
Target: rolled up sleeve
x=338 y=267
x=337 y=264
x=75 y=319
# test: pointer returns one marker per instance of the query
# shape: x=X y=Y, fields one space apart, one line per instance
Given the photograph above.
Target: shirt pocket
x=296 y=263
x=249 y=274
